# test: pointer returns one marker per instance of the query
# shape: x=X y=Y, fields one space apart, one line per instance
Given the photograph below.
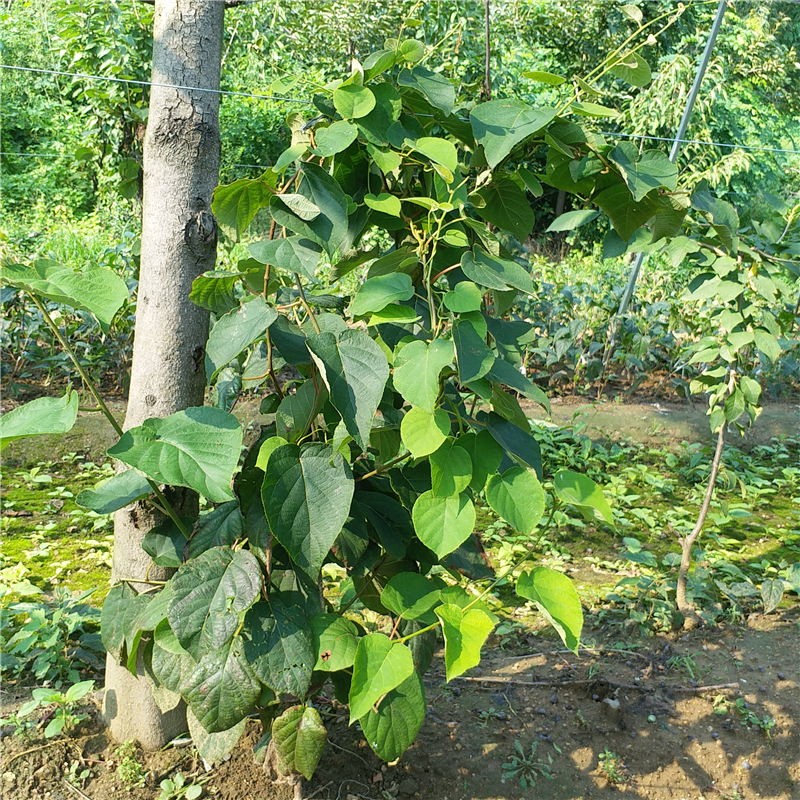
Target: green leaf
x=439 y=150
x=583 y=493
x=95 y=289
x=41 y=416
x=401 y=315
x=335 y=138
x=289 y=156
x=222 y=689
x=294 y=254
x=464 y=635
x=593 y=110
x=652 y=171
x=329 y=228
x=235 y=205
x=485 y=454
x=633 y=69
x=412 y=50
x=417 y=367
x=435 y=88
x=451 y=470
x=474 y=358
x=221 y=527
x=208 y=593
x=507 y=207
x=165 y=545
x=355 y=370
x=500 y=125
x=307 y=495
x=626 y=215
x=299 y=738
x=767 y=344
x=215 y=290
x=505 y=373
x=553 y=593
x=385 y=203
x=213 y=747
x=296 y=412
x=443 y=523
x=410 y=596
x=516 y=442
x=115 y=493
x=171 y=664
x=392 y=727
x=235 y=332
x=301 y=206
x=423 y=432
x=353 y=102
x=112 y=617
x=721 y=215
x=751 y=390
x=377 y=293
x=464 y=297
x=380 y=665
x=544 y=77
x=495 y=273
x=279 y=645
x=572 y=220
x=517 y=497
x=378 y=62
x=335 y=642
x=771 y=594
x=198 y=448
x=734 y=405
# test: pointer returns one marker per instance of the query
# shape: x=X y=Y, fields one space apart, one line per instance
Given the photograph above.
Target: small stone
x=408 y=786
x=746 y=765
x=710 y=729
x=762 y=688
x=528 y=709
x=10 y=778
x=554 y=699
x=458 y=746
x=781 y=676
x=729 y=755
x=377 y=777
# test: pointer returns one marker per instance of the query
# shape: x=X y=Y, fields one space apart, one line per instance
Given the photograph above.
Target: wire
x=700 y=141
x=150 y=83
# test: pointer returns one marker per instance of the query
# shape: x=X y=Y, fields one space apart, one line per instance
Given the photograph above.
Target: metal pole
x=676 y=146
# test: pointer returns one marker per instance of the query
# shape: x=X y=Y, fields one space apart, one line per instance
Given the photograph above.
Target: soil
x=669 y=741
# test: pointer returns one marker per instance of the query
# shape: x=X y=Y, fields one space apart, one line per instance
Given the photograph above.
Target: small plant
x=64 y=720
x=130 y=770
x=747 y=716
x=491 y=713
x=176 y=788
x=527 y=767
x=612 y=766
x=77 y=776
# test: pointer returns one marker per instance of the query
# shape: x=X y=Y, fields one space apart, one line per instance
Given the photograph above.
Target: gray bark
x=181 y=169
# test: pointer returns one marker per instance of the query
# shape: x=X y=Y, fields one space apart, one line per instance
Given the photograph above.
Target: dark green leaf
x=218 y=528
x=215 y=291
x=517 y=443
x=485 y=453
x=115 y=493
x=435 y=88
x=507 y=207
x=643 y=174
x=495 y=273
x=633 y=69
x=474 y=358
x=294 y=254
x=165 y=545
x=392 y=727
x=380 y=665
x=625 y=213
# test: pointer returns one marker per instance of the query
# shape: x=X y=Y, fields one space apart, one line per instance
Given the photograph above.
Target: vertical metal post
x=676 y=146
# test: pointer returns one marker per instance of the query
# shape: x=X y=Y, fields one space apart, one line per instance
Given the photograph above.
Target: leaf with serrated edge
x=553 y=593
x=464 y=635
x=380 y=665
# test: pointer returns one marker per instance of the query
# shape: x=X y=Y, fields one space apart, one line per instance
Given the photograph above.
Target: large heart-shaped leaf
x=506 y=206
x=335 y=138
x=500 y=125
x=464 y=631
x=376 y=293
x=392 y=727
x=40 y=416
x=423 y=432
x=355 y=370
x=300 y=738
x=652 y=171
x=380 y=665
x=235 y=332
x=353 y=101
x=335 y=642
x=451 y=469
x=474 y=358
x=115 y=493
x=517 y=497
x=417 y=367
x=443 y=523
x=222 y=689
x=583 y=493
x=495 y=273
x=294 y=254
x=95 y=289
x=553 y=593
x=278 y=645
x=307 y=495
x=208 y=593
x=198 y=448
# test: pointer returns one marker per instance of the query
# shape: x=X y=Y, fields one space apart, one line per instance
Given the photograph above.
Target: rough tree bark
x=181 y=169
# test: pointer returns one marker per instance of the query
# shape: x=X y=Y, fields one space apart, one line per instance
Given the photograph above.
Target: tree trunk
x=181 y=169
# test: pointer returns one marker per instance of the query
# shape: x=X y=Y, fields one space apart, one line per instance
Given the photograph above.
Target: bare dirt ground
x=668 y=741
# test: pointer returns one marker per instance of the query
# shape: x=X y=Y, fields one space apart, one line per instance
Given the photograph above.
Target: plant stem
x=305 y=304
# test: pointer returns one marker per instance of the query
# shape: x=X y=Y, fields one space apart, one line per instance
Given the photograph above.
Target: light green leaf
x=435 y=88
x=307 y=495
x=41 y=416
x=451 y=469
x=423 y=432
x=771 y=594
x=652 y=171
x=353 y=101
x=495 y=273
x=417 y=367
x=412 y=50
x=208 y=593
x=235 y=332
x=198 y=448
x=95 y=289
x=335 y=642
x=464 y=635
x=377 y=293
x=392 y=727
x=234 y=206
x=517 y=497
x=385 y=203
x=583 y=493
x=544 y=77
x=299 y=738
x=473 y=356
x=593 y=110
x=279 y=645
x=401 y=315
x=215 y=290
x=380 y=665
x=443 y=523
x=572 y=220
x=265 y=451
x=506 y=206
x=289 y=156
x=115 y=493
x=222 y=689
x=355 y=370
x=767 y=344
x=213 y=747
x=500 y=125
x=335 y=138
x=465 y=296
x=633 y=69
x=439 y=150
x=410 y=595
x=553 y=593
x=294 y=254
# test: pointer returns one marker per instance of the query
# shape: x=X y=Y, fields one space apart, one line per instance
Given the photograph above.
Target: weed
x=747 y=716
x=77 y=776
x=527 y=767
x=63 y=720
x=131 y=772
x=612 y=766
x=176 y=788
